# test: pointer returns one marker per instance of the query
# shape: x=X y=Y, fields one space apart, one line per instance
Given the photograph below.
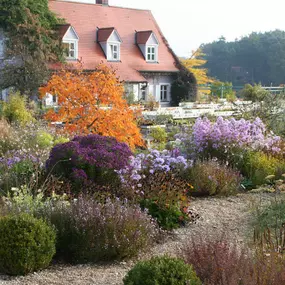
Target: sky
x=187 y=24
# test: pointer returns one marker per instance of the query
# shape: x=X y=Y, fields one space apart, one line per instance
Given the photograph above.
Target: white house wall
x=136 y=92
x=155 y=82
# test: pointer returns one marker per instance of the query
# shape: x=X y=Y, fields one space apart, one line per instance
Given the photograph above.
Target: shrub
x=222 y=138
x=44 y=139
x=91 y=158
x=165 y=195
x=159 y=134
x=16 y=110
x=26 y=244
x=212 y=178
x=219 y=262
x=155 y=181
x=90 y=231
x=163 y=271
x=258 y=165
x=24 y=139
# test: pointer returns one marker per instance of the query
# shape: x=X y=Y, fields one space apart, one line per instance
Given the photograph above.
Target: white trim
x=75 y=42
x=168 y=92
x=76 y=35
x=117 y=34
x=155 y=53
x=110 y=53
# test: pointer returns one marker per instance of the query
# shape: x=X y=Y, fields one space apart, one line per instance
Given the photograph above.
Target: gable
x=114 y=37
x=152 y=40
x=70 y=34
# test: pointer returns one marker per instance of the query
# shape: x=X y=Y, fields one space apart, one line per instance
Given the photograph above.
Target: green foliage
x=254 y=93
x=159 y=134
x=168 y=218
x=44 y=139
x=270 y=217
x=270 y=108
x=212 y=178
x=258 y=165
x=184 y=87
x=30 y=27
x=165 y=195
x=27 y=244
x=222 y=89
x=163 y=271
x=255 y=58
x=130 y=97
x=60 y=140
x=16 y=110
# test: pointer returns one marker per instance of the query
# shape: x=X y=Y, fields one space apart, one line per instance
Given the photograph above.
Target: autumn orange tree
x=92 y=102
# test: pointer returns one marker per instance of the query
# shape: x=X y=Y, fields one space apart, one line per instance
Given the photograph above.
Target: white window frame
x=110 y=47
x=149 y=54
x=162 y=85
x=69 y=42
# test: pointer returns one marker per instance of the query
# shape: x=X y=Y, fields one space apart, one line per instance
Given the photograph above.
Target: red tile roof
x=104 y=34
x=87 y=18
x=62 y=29
x=143 y=36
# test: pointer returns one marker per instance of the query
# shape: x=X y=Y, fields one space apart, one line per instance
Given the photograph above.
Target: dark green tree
x=29 y=28
x=258 y=57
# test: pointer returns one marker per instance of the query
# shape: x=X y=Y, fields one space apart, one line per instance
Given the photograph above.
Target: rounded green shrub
x=162 y=271
x=16 y=110
x=27 y=244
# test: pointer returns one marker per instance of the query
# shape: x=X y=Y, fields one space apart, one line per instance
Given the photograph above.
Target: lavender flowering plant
x=225 y=135
x=155 y=161
x=90 y=231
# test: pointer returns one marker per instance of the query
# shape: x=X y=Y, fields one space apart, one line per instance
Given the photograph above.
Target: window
x=151 y=53
x=164 y=90
x=70 y=49
x=114 y=52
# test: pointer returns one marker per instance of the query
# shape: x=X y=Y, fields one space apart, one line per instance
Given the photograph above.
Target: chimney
x=102 y=2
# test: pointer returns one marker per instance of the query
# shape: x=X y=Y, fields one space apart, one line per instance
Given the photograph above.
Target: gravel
x=219 y=217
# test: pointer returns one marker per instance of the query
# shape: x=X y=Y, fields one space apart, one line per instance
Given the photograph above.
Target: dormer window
x=70 y=49
x=151 y=53
x=110 y=42
x=70 y=41
x=114 y=53
x=148 y=44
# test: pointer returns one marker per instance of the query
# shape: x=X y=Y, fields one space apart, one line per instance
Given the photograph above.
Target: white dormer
x=69 y=41
x=148 y=44
x=110 y=42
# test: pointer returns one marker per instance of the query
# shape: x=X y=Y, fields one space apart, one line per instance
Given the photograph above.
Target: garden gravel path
x=218 y=216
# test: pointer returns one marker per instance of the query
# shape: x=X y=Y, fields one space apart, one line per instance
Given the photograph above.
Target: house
x=128 y=40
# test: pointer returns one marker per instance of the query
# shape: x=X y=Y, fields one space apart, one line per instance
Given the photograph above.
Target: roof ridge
x=118 y=7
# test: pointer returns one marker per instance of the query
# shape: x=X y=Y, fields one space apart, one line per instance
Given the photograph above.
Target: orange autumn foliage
x=92 y=102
